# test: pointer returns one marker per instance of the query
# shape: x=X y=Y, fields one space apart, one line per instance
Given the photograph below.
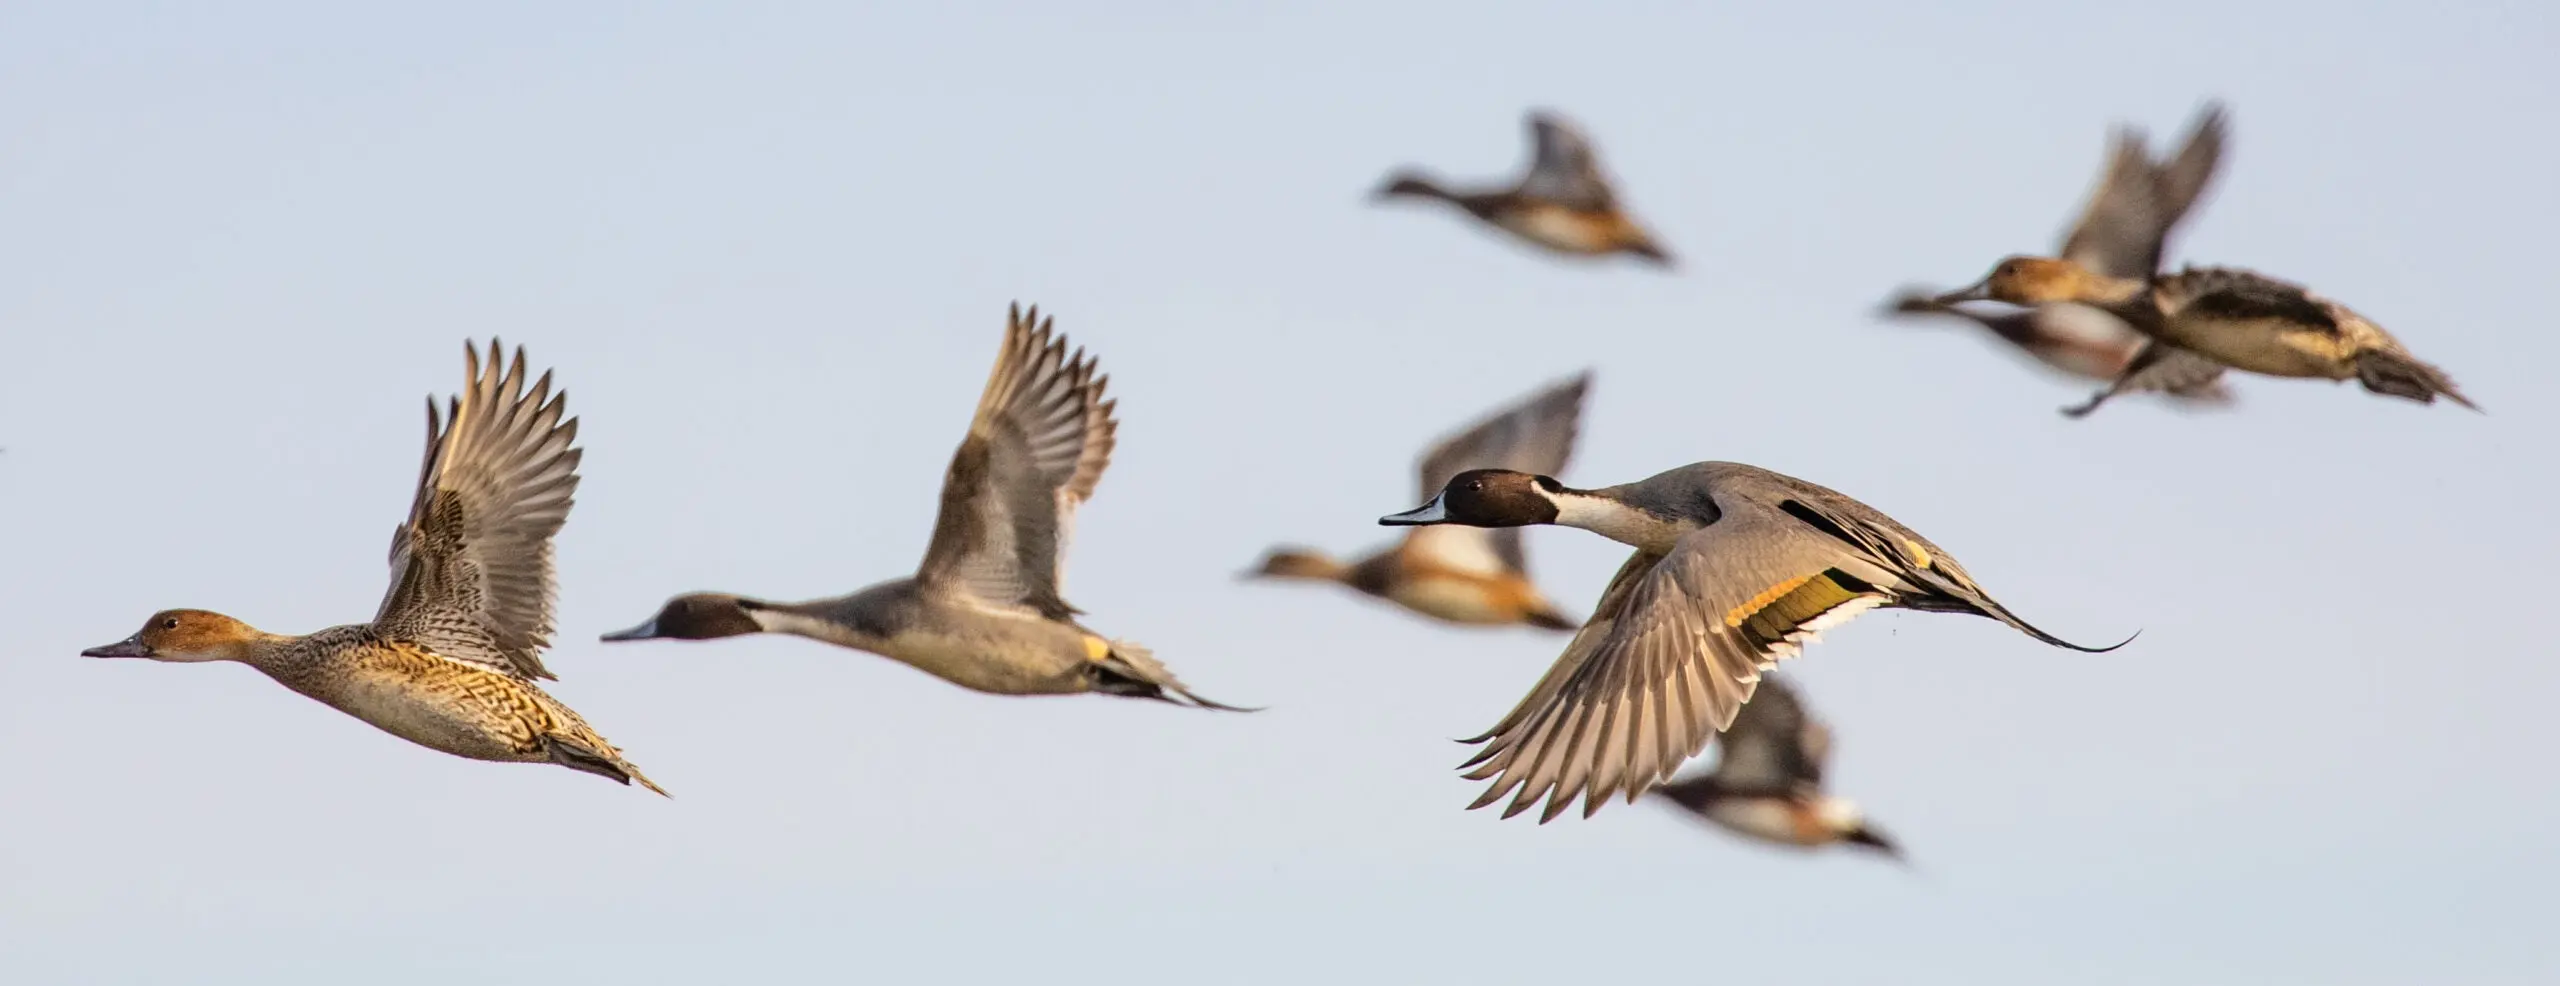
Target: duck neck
x=1420 y=187
x=2124 y=297
x=811 y=621
x=1614 y=519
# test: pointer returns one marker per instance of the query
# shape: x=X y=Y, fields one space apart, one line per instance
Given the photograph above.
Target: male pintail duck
x=1767 y=782
x=1735 y=569
x=2234 y=317
x=1563 y=203
x=1464 y=574
x=983 y=611
x=448 y=662
x=2122 y=231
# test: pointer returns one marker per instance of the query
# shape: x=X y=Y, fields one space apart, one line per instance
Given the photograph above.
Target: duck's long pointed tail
x=1132 y=671
x=599 y=758
x=2396 y=374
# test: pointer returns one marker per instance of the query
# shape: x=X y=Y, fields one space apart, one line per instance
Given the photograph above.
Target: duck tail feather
x=2394 y=374
x=1131 y=670
x=608 y=765
x=1953 y=598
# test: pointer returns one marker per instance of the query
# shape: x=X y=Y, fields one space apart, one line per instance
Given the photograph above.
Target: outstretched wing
x=471 y=571
x=1563 y=169
x=1534 y=436
x=1039 y=443
x=2184 y=178
x=2124 y=229
x=1674 y=650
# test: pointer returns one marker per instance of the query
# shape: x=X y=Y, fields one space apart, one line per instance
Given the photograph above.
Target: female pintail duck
x=983 y=611
x=1464 y=574
x=1563 y=203
x=448 y=662
x=2122 y=231
x=1735 y=569
x=1767 y=782
x=2234 y=317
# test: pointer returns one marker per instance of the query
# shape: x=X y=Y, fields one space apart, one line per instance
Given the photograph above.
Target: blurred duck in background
x=1767 y=782
x=2123 y=231
x=1464 y=574
x=1565 y=203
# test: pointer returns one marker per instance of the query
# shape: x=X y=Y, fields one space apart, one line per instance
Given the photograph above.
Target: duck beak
x=645 y=631
x=128 y=647
x=1429 y=513
x=1979 y=291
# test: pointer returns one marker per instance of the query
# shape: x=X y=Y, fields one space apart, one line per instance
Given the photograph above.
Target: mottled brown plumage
x=448 y=662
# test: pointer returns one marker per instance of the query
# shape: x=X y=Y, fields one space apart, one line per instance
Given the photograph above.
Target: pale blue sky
x=768 y=250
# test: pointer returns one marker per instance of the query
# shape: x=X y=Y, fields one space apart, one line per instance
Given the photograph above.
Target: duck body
x=997 y=651
x=1418 y=580
x=2257 y=323
x=1799 y=820
x=1471 y=598
x=408 y=690
x=1565 y=229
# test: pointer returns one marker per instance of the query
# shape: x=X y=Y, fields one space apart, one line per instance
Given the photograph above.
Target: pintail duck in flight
x=2234 y=317
x=983 y=611
x=449 y=661
x=1464 y=574
x=1564 y=202
x=1735 y=569
x=2122 y=232
x=2220 y=316
x=1767 y=782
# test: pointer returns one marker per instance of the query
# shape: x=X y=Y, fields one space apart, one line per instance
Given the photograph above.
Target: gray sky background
x=769 y=249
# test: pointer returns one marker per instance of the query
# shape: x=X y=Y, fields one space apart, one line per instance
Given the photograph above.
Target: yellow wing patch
x=1735 y=616
x=1770 y=617
x=1919 y=555
x=1096 y=648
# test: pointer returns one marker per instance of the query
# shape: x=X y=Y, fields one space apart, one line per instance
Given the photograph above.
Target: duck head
x=2032 y=281
x=1410 y=183
x=698 y=616
x=184 y=636
x=1487 y=498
